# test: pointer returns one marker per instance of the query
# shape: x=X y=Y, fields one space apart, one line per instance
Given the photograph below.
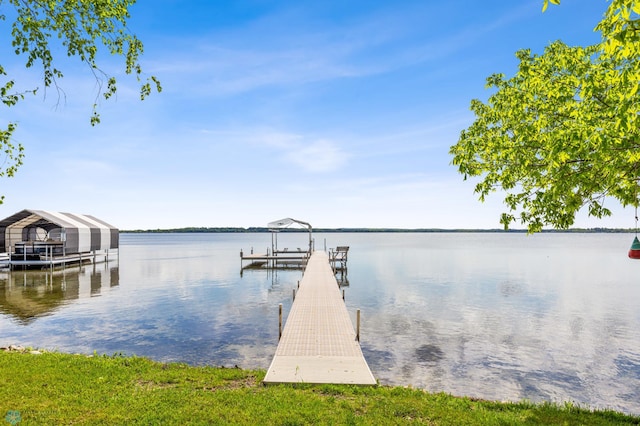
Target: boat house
x=32 y=238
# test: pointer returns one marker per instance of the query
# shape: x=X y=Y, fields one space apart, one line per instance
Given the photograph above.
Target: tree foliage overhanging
x=564 y=132
x=81 y=27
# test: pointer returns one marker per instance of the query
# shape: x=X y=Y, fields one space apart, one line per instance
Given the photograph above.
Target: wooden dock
x=318 y=343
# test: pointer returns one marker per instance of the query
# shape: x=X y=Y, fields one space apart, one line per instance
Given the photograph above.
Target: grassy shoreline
x=55 y=388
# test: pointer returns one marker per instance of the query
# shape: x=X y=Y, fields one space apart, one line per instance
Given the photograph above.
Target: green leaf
x=83 y=28
x=563 y=133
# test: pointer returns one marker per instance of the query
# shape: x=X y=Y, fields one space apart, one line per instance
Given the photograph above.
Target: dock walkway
x=318 y=343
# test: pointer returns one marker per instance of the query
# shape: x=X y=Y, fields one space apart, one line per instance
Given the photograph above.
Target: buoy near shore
x=634 y=251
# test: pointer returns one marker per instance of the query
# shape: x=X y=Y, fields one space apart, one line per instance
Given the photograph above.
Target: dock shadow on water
x=31 y=294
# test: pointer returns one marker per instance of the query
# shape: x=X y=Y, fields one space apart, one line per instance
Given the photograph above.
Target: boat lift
x=276 y=258
x=286 y=258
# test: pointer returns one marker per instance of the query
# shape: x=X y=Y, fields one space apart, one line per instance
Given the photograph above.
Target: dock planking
x=318 y=343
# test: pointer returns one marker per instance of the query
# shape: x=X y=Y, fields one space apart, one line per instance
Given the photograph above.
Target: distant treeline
x=361 y=230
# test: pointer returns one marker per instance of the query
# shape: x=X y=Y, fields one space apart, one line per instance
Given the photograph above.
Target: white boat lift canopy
x=286 y=222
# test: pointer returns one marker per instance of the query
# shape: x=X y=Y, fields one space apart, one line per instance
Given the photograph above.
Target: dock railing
x=338 y=258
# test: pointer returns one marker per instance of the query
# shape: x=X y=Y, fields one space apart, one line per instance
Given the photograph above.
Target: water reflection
x=506 y=317
x=495 y=316
x=30 y=294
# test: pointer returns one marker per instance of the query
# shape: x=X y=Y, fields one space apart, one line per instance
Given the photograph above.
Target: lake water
x=549 y=317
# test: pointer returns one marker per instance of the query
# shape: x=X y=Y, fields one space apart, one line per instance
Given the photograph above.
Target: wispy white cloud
x=223 y=71
x=308 y=153
x=272 y=54
x=277 y=52
x=317 y=156
x=86 y=167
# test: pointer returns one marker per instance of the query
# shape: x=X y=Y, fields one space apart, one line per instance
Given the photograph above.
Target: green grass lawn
x=55 y=388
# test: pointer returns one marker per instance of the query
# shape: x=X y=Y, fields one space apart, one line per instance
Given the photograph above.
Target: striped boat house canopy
x=78 y=233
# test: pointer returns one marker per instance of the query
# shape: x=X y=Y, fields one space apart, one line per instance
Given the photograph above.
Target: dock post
x=294 y=294
x=280 y=321
x=342 y=294
x=358 y=325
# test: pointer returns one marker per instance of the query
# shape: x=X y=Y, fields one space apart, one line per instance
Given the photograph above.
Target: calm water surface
x=551 y=317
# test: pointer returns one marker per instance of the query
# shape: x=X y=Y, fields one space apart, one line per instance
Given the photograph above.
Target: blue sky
x=337 y=113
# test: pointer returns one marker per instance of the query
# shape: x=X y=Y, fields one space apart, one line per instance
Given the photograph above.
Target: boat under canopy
x=38 y=237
